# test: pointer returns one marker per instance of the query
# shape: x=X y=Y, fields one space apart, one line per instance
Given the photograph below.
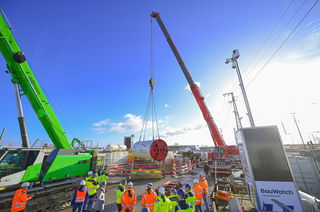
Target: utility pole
x=235 y=109
x=295 y=121
x=284 y=129
x=235 y=65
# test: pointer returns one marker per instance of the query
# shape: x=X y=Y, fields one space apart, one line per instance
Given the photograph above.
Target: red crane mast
x=215 y=134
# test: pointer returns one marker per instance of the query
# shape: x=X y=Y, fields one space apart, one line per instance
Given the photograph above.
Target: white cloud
x=167 y=106
x=132 y=123
x=101 y=130
x=101 y=123
x=169 y=131
x=188 y=87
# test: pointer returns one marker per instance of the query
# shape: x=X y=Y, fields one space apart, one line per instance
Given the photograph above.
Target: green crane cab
x=40 y=166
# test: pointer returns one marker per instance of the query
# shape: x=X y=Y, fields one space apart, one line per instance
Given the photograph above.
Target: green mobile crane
x=34 y=164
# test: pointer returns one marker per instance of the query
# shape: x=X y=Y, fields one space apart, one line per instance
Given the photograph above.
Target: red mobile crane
x=225 y=150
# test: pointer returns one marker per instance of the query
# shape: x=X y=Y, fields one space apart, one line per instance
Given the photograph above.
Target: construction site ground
x=140 y=186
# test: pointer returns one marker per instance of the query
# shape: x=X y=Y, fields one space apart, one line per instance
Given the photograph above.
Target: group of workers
x=188 y=200
x=92 y=188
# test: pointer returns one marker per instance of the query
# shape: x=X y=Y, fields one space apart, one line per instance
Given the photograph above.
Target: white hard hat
x=82 y=182
x=90 y=173
x=25 y=184
x=162 y=190
x=196 y=181
x=130 y=185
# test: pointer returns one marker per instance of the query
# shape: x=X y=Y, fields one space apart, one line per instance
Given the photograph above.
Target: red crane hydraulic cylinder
x=152 y=149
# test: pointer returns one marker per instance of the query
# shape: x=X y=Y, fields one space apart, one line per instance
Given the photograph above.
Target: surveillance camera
x=227 y=61
x=235 y=54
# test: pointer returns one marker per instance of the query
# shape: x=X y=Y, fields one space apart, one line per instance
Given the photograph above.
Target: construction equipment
x=214 y=131
x=35 y=165
x=2 y=134
x=152 y=149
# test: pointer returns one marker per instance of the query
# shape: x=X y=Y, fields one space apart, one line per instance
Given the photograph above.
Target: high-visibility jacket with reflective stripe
x=80 y=196
x=92 y=185
x=190 y=198
x=174 y=201
x=120 y=191
x=148 y=200
x=19 y=200
x=103 y=178
x=204 y=184
x=198 y=192
x=162 y=206
x=127 y=201
x=183 y=206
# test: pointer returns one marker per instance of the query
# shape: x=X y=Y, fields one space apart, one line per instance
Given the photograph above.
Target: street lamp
x=235 y=65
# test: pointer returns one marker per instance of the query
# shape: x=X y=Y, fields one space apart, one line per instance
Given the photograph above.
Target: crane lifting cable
x=150 y=116
x=150 y=113
x=156 y=148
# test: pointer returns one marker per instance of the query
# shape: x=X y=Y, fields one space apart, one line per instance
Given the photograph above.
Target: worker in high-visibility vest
x=20 y=198
x=198 y=192
x=128 y=199
x=183 y=206
x=149 y=198
x=103 y=177
x=92 y=186
x=120 y=191
x=79 y=197
x=173 y=199
x=189 y=197
x=205 y=186
x=89 y=176
x=163 y=204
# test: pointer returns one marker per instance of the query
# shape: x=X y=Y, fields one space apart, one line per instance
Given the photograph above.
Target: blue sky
x=92 y=59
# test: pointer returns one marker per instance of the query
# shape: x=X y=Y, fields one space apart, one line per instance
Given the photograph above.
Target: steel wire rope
x=152 y=114
x=156 y=117
x=151 y=100
x=282 y=44
x=144 y=118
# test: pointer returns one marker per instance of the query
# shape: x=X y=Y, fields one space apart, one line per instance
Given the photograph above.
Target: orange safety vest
x=198 y=192
x=128 y=202
x=204 y=184
x=19 y=200
x=80 y=196
x=148 y=200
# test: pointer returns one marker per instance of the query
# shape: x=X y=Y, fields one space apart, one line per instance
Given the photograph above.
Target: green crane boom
x=21 y=74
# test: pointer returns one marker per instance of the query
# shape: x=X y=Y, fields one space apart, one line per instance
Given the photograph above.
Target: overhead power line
x=265 y=41
x=269 y=35
x=282 y=44
x=276 y=38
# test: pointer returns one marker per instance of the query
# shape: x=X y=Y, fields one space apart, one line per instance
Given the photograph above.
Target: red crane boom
x=215 y=134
